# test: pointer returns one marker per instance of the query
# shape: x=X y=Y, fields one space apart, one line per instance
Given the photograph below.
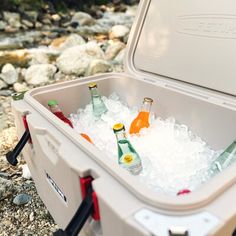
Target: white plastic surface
x=196 y=225
x=190 y=41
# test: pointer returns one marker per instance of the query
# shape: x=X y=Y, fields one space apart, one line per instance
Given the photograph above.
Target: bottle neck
x=55 y=108
x=94 y=92
x=121 y=135
x=146 y=107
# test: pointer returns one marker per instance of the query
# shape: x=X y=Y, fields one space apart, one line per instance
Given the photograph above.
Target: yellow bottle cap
x=146 y=99
x=118 y=127
x=92 y=85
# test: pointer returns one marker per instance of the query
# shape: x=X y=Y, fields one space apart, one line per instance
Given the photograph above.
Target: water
x=173 y=158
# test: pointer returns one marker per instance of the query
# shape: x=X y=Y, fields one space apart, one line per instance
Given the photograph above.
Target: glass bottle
x=128 y=158
x=142 y=120
x=98 y=105
x=55 y=109
x=224 y=160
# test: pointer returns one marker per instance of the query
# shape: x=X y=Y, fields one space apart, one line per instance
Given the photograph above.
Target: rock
x=26 y=172
x=39 y=58
x=31 y=216
x=18 y=87
x=5 y=93
x=9 y=74
x=2 y=25
x=113 y=49
x=8 y=138
x=2 y=84
x=118 y=31
x=38 y=74
x=120 y=57
x=75 y=60
x=28 y=23
x=31 y=15
x=131 y=11
x=67 y=42
x=97 y=66
x=22 y=199
x=38 y=25
x=6 y=188
x=12 y=18
x=82 y=18
x=56 y=17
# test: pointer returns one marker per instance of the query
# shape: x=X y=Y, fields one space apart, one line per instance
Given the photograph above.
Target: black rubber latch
x=12 y=155
x=82 y=214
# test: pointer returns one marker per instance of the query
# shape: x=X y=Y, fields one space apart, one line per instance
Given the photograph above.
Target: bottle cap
x=92 y=85
x=52 y=103
x=118 y=127
x=146 y=99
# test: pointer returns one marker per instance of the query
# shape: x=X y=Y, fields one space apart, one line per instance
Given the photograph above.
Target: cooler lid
x=187 y=41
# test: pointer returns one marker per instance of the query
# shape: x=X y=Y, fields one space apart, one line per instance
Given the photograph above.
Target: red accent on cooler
x=84 y=184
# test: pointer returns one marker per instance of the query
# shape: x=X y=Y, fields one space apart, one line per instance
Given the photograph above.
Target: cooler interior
x=204 y=115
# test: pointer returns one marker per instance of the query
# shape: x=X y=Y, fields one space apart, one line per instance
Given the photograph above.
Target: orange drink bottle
x=142 y=119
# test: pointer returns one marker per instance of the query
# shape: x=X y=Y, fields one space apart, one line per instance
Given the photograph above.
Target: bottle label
x=131 y=163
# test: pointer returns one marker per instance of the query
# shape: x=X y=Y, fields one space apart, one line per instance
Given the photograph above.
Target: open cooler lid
x=186 y=41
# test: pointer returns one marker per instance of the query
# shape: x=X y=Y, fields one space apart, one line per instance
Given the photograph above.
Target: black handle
x=76 y=224
x=12 y=155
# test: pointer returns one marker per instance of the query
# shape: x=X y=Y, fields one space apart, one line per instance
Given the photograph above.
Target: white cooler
x=183 y=55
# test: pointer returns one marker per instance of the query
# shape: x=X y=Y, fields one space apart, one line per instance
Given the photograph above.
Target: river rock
x=6 y=188
x=38 y=74
x=97 y=66
x=56 y=17
x=18 y=87
x=118 y=31
x=67 y=42
x=12 y=18
x=113 y=49
x=22 y=199
x=3 y=25
x=120 y=57
x=2 y=84
x=39 y=58
x=26 y=172
x=9 y=74
x=75 y=60
x=28 y=23
x=82 y=18
x=31 y=15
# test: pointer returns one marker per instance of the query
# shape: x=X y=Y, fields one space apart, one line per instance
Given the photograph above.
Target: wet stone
x=22 y=199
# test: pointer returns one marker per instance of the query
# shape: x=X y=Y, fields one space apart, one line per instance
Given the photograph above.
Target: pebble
x=97 y=66
x=2 y=84
x=118 y=31
x=31 y=216
x=75 y=60
x=39 y=74
x=39 y=58
x=120 y=57
x=12 y=18
x=9 y=74
x=5 y=93
x=3 y=25
x=113 y=49
x=6 y=188
x=18 y=87
x=67 y=42
x=82 y=18
x=28 y=23
x=22 y=199
x=26 y=172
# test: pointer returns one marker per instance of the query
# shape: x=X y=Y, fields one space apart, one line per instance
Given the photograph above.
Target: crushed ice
x=173 y=157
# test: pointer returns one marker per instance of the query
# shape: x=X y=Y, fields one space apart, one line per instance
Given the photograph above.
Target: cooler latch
x=88 y=207
x=12 y=155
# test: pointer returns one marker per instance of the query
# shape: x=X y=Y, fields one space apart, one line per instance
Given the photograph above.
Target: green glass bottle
x=128 y=158
x=224 y=160
x=98 y=105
